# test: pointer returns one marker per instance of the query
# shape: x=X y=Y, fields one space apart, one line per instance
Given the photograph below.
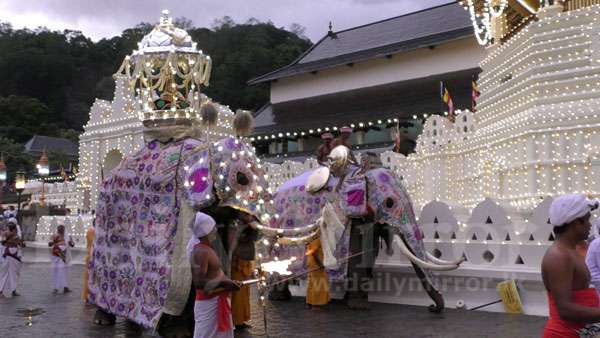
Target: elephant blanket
x=298 y=208
x=376 y=193
x=136 y=224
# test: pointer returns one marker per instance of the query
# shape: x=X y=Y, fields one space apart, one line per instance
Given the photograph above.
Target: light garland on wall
x=536 y=135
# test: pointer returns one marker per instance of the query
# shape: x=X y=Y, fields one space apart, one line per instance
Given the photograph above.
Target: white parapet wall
x=498 y=243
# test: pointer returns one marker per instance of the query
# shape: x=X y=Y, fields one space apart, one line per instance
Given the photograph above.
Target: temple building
x=375 y=78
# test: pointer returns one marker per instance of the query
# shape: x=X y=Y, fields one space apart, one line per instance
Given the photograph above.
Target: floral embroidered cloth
x=136 y=223
x=138 y=212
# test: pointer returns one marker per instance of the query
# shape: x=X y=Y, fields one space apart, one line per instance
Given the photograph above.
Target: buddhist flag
x=63 y=174
x=447 y=99
x=475 y=94
x=397 y=138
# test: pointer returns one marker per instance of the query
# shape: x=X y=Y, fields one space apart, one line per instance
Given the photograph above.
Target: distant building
x=387 y=73
x=36 y=145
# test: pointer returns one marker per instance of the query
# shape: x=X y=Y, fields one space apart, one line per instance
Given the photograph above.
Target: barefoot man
x=212 y=311
x=572 y=302
x=61 y=260
x=10 y=269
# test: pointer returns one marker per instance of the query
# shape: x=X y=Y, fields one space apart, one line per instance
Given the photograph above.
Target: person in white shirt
x=61 y=259
x=10 y=212
x=592 y=258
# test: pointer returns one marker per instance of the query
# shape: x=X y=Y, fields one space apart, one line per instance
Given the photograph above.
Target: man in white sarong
x=212 y=310
x=61 y=260
x=10 y=268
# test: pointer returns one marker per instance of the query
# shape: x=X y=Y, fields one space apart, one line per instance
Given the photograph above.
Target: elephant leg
x=104 y=318
x=181 y=326
x=280 y=292
x=356 y=297
x=434 y=294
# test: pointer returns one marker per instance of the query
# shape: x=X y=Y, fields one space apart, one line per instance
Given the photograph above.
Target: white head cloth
x=13 y=220
x=567 y=208
x=203 y=225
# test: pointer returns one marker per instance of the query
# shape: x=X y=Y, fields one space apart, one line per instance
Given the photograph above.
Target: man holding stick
x=212 y=310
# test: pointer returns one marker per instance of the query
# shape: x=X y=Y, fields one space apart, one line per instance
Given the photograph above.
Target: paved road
x=67 y=316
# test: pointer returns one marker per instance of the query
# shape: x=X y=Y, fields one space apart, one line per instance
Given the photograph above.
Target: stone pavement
x=66 y=316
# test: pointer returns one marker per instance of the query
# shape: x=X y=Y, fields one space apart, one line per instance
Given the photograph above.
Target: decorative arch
x=110 y=161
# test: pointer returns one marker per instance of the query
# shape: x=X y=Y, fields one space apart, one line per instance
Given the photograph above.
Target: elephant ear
x=354 y=196
x=195 y=171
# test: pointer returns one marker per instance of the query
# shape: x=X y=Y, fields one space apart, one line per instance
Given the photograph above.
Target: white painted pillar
x=300 y=144
x=360 y=137
x=273 y=147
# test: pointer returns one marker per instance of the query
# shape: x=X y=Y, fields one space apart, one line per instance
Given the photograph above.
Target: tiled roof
x=52 y=144
x=420 y=29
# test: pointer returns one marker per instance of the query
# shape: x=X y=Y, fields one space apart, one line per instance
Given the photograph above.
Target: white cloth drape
x=60 y=269
x=205 y=316
x=10 y=270
x=332 y=229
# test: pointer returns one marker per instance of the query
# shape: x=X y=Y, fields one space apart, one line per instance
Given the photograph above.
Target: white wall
x=449 y=57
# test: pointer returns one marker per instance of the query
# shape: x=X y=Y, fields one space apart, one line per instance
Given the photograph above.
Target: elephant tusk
x=443 y=262
x=421 y=263
x=302 y=240
x=284 y=232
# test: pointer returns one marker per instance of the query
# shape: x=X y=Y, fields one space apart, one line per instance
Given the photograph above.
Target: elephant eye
x=241 y=178
x=389 y=202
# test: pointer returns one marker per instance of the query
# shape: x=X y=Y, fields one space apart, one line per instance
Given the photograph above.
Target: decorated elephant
x=353 y=207
x=140 y=269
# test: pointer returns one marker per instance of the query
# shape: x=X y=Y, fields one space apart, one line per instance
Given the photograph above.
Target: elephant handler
x=212 y=310
x=317 y=289
x=344 y=140
x=242 y=267
x=572 y=303
x=325 y=148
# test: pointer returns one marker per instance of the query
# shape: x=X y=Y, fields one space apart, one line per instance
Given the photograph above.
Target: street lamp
x=19 y=186
x=2 y=176
x=43 y=169
x=2 y=169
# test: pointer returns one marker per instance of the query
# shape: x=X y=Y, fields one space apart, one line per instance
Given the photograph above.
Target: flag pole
x=442 y=98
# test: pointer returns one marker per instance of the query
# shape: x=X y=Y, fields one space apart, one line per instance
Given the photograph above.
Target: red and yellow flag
x=475 y=93
x=447 y=99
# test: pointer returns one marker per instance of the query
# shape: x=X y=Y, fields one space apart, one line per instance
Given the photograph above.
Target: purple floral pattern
x=135 y=228
x=387 y=200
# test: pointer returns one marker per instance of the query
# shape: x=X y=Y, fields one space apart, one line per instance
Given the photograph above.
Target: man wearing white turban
x=212 y=310
x=572 y=303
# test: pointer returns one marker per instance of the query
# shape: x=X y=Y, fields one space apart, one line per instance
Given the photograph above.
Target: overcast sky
x=107 y=18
